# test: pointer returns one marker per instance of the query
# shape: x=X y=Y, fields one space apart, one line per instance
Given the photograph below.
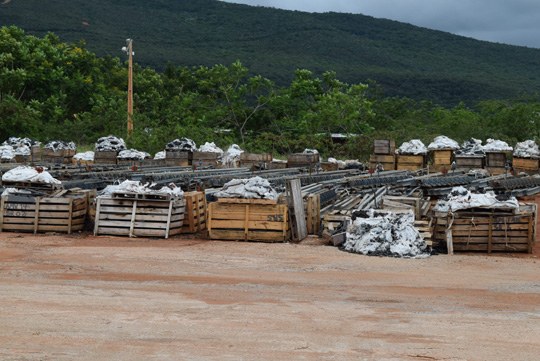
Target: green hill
x=405 y=60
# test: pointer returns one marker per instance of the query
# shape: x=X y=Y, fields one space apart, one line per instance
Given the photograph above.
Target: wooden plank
x=169 y=221
x=225 y=234
x=530 y=236
x=248 y=224
x=132 y=224
x=97 y=218
x=247 y=201
x=490 y=235
x=296 y=206
x=70 y=216
x=36 y=217
x=2 y=207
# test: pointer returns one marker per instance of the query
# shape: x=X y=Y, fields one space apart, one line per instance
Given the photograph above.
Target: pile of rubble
x=110 y=144
x=56 y=145
x=252 y=188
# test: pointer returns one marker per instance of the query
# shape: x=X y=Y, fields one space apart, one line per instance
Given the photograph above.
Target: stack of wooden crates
x=442 y=159
x=62 y=156
x=384 y=152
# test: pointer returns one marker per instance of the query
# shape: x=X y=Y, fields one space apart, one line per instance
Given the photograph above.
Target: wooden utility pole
x=130 y=88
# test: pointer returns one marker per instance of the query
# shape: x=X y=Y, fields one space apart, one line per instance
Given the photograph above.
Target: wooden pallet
x=255 y=157
x=196 y=212
x=39 y=214
x=248 y=222
x=488 y=233
x=42 y=187
x=139 y=218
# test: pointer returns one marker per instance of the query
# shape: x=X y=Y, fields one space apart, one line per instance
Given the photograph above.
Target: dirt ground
x=81 y=297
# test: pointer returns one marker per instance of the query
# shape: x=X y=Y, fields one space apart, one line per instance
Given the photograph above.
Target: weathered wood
x=134 y=218
x=251 y=222
x=525 y=163
x=196 y=212
x=384 y=146
x=62 y=212
x=247 y=201
x=296 y=209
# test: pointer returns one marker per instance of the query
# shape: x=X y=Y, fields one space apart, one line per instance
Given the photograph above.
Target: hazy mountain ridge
x=404 y=59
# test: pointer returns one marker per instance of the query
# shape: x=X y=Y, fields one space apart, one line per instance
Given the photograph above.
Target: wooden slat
x=225 y=234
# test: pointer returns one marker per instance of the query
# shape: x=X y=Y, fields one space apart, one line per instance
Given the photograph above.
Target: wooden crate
x=41 y=214
x=83 y=162
x=329 y=167
x=255 y=157
x=488 y=233
x=178 y=155
x=302 y=160
x=204 y=159
x=411 y=162
x=384 y=146
x=196 y=212
x=470 y=161
x=249 y=221
x=105 y=157
x=59 y=157
x=496 y=159
x=312 y=205
x=276 y=165
x=525 y=165
x=497 y=170
x=177 y=162
x=36 y=153
x=388 y=161
x=139 y=218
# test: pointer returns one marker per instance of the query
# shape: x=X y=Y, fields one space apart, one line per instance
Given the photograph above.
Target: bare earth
x=96 y=298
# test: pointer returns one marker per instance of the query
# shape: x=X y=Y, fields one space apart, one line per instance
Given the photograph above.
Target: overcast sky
x=515 y=22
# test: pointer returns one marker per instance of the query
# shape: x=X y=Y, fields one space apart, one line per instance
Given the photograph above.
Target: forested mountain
x=404 y=60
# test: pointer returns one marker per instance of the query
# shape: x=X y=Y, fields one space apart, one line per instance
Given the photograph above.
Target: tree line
x=51 y=90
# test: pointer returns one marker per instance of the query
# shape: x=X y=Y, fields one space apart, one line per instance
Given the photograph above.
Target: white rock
x=526 y=149
x=29 y=174
x=386 y=233
x=413 y=147
x=443 y=141
x=86 y=156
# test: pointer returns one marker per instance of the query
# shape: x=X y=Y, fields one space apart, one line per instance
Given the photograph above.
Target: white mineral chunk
x=461 y=198
x=252 y=188
x=493 y=145
x=30 y=174
x=526 y=149
x=231 y=156
x=210 y=148
x=386 y=233
x=110 y=144
x=443 y=141
x=86 y=156
x=7 y=152
x=160 y=155
x=413 y=147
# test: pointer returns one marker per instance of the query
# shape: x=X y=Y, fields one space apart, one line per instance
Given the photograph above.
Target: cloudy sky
x=515 y=22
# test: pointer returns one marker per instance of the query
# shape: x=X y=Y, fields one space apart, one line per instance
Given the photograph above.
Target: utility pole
x=129 y=50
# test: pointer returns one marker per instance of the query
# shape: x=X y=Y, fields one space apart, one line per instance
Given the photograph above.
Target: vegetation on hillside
x=404 y=60
x=53 y=90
